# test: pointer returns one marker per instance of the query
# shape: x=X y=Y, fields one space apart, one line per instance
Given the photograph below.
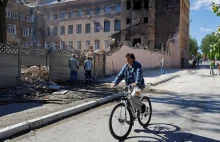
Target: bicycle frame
x=127 y=102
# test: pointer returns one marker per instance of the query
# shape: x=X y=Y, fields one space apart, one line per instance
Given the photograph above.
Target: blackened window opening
x=146 y=4
x=146 y=20
x=128 y=5
x=137 y=4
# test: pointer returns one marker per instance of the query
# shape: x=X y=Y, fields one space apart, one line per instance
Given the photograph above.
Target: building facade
x=65 y=25
x=77 y=24
x=73 y=24
x=21 y=23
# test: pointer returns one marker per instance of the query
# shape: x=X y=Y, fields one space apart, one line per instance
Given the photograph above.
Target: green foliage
x=206 y=42
x=193 y=46
x=216 y=8
x=215 y=46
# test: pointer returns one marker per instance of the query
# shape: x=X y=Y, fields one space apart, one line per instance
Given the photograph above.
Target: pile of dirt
x=34 y=74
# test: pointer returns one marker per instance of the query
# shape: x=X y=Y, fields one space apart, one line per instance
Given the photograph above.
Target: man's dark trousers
x=88 y=76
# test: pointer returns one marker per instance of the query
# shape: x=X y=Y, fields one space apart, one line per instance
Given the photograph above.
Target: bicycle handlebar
x=124 y=89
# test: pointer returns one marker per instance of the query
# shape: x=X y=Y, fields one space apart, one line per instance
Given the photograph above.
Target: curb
x=165 y=80
x=37 y=122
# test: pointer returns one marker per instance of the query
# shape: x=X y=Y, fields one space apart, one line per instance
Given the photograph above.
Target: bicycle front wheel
x=145 y=117
x=120 y=121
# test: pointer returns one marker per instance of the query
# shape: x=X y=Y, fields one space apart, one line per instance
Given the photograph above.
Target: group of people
x=74 y=66
x=88 y=65
x=212 y=67
x=197 y=61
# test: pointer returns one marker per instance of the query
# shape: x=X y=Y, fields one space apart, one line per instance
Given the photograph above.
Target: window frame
x=97 y=10
x=115 y=22
x=70 y=27
x=79 y=13
x=86 y=43
x=86 y=28
x=25 y=31
x=55 y=16
x=95 y=29
x=62 y=45
x=12 y=28
x=71 y=14
x=88 y=12
x=107 y=11
x=33 y=31
x=54 y=30
x=79 y=26
x=63 y=15
x=62 y=30
x=70 y=47
x=79 y=41
x=118 y=4
x=107 y=29
x=97 y=41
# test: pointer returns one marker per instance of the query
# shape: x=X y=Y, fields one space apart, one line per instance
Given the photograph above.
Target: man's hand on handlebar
x=134 y=84
x=113 y=85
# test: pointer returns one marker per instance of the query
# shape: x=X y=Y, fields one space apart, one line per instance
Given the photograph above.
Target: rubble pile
x=34 y=84
x=34 y=74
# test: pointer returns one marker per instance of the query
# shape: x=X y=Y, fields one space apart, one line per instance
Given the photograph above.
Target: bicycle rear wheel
x=144 y=118
x=120 y=120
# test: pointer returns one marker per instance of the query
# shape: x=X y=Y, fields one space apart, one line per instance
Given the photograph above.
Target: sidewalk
x=150 y=76
x=19 y=117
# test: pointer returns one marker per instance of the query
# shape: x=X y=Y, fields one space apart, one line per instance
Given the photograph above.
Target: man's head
x=74 y=56
x=130 y=58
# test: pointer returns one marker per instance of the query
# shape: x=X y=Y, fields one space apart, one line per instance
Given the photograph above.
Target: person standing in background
x=74 y=66
x=88 y=70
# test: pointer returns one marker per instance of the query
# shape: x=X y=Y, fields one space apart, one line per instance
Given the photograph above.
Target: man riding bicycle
x=132 y=72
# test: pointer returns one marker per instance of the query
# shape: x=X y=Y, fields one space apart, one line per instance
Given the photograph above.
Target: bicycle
x=128 y=113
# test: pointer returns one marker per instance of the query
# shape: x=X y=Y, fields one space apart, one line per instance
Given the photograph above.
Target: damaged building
x=156 y=24
x=75 y=24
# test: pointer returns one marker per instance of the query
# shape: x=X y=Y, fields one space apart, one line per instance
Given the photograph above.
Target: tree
x=215 y=46
x=193 y=46
x=3 y=36
x=3 y=4
x=206 y=42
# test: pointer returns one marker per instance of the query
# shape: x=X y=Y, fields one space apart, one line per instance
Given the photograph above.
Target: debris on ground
x=35 y=87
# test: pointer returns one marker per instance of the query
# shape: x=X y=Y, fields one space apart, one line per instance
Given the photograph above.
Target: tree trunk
x=3 y=34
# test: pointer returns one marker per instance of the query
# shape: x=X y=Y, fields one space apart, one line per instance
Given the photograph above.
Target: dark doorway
x=182 y=62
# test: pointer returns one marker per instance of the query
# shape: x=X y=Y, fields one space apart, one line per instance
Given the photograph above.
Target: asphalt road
x=187 y=109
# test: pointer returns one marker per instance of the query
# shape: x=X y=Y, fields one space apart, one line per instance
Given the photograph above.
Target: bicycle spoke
x=120 y=126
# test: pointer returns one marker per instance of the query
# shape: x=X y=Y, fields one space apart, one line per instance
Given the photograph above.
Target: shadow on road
x=17 y=107
x=209 y=103
x=167 y=133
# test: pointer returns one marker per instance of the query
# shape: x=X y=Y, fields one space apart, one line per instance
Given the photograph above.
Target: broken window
x=136 y=41
x=128 y=5
x=146 y=20
x=146 y=4
x=128 y=21
x=137 y=4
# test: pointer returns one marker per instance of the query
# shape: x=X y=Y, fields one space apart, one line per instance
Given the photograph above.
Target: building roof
x=34 y=3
